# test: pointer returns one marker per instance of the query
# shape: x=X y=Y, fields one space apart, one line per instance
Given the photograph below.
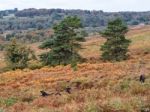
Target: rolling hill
x=96 y=86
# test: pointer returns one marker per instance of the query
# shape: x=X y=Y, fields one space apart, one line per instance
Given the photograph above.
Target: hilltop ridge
x=45 y=18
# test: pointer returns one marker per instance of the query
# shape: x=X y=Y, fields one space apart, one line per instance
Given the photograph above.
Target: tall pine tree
x=116 y=46
x=64 y=44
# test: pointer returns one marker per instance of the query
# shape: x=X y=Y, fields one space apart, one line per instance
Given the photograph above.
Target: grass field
x=96 y=86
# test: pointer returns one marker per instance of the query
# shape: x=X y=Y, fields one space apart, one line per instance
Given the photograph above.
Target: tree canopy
x=116 y=46
x=64 y=44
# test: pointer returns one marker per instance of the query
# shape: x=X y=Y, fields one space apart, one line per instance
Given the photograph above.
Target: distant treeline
x=7 y=12
x=44 y=18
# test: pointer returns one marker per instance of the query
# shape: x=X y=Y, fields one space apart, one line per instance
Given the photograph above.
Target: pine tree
x=64 y=44
x=116 y=46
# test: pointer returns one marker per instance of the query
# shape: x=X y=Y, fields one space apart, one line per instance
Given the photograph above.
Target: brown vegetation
x=95 y=87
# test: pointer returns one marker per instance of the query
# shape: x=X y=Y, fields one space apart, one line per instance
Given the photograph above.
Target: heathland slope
x=96 y=86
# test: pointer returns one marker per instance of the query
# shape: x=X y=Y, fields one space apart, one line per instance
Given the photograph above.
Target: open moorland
x=96 y=86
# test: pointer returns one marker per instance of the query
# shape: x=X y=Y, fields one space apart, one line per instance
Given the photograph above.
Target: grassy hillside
x=95 y=87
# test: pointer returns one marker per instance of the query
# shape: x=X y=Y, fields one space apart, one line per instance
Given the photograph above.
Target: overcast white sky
x=106 y=5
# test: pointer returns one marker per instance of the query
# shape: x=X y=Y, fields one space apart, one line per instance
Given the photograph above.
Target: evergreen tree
x=17 y=55
x=116 y=46
x=64 y=44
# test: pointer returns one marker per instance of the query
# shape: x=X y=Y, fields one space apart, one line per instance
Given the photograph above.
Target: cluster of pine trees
x=64 y=45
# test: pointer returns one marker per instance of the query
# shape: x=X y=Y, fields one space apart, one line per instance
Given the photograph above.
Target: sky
x=105 y=5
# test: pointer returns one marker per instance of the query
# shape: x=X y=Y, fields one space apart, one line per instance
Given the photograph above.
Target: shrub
x=92 y=108
x=78 y=82
x=116 y=104
x=27 y=98
x=10 y=101
x=1 y=110
x=122 y=86
x=136 y=103
x=138 y=88
x=34 y=64
x=83 y=83
x=1 y=101
x=17 y=55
